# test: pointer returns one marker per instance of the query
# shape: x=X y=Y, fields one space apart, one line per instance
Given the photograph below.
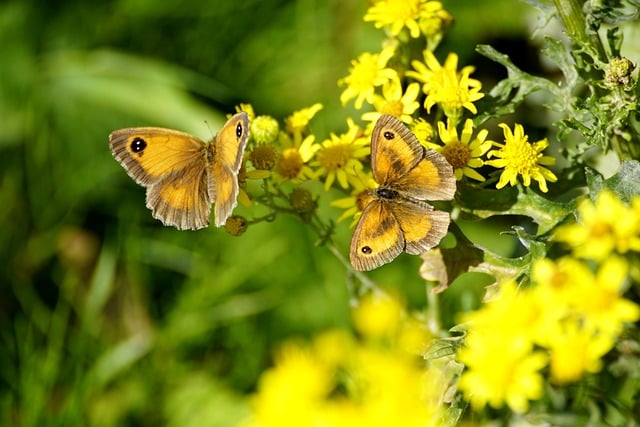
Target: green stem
x=433 y=311
x=572 y=16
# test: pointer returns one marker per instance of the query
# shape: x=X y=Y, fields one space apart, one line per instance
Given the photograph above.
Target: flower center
x=263 y=156
x=457 y=154
x=334 y=157
x=289 y=164
x=524 y=158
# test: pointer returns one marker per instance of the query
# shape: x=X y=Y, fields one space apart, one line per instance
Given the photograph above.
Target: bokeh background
x=107 y=317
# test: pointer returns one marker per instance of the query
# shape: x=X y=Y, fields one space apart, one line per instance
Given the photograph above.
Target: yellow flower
x=338 y=380
x=445 y=86
x=583 y=313
x=424 y=132
x=298 y=121
x=557 y=283
x=264 y=129
x=378 y=316
x=396 y=14
x=518 y=157
x=432 y=18
x=500 y=369
x=501 y=364
x=600 y=301
x=247 y=108
x=575 y=350
x=393 y=101
x=292 y=161
x=366 y=73
x=339 y=158
x=293 y=391
x=463 y=153
x=354 y=204
x=603 y=227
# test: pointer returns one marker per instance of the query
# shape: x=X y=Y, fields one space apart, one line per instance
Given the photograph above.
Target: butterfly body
x=184 y=175
x=396 y=218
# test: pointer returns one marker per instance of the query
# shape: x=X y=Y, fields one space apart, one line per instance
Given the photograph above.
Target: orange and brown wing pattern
x=172 y=166
x=431 y=179
x=421 y=225
x=394 y=150
x=149 y=153
x=377 y=238
x=229 y=147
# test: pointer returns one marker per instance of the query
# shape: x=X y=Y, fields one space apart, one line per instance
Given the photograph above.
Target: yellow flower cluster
x=340 y=380
x=605 y=226
x=387 y=82
x=565 y=322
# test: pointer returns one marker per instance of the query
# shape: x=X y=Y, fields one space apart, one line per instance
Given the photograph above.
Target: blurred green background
x=109 y=318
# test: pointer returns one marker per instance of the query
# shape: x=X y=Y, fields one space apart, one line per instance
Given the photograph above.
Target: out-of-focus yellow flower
x=377 y=317
x=603 y=227
x=338 y=380
x=299 y=120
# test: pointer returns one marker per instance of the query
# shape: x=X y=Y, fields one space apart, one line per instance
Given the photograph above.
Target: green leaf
x=625 y=183
x=484 y=203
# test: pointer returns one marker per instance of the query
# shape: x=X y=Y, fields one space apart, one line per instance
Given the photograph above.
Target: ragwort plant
x=556 y=340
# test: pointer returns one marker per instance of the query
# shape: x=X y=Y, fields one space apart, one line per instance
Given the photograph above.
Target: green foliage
x=107 y=318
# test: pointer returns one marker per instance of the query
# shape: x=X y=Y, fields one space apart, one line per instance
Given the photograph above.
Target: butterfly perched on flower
x=395 y=217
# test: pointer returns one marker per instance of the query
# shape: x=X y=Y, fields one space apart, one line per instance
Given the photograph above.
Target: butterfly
x=184 y=175
x=395 y=217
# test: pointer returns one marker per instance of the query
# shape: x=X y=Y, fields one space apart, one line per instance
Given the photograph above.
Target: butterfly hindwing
x=181 y=199
x=422 y=226
x=431 y=179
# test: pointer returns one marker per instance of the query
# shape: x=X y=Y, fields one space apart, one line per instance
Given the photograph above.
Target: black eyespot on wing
x=238 y=130
x=366 y=250
x=138 y=145
x=389 y=135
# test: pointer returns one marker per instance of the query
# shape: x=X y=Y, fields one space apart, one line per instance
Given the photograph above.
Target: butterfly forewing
x=227 y=159
x=231 y=140
x=377 y=238
x=394 y=150
x=149 y=153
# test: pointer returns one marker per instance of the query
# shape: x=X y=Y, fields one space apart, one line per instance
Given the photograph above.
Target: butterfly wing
x=399 y=161
x=431 y=179
x=171 y=165
x=394 y=150
x=377 y=238
x=422 y=226
x=181 y=199
x=227 y=158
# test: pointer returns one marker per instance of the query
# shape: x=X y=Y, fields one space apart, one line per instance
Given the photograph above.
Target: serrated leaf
x=625 y=183
x=468 y=257
x=484 y=203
